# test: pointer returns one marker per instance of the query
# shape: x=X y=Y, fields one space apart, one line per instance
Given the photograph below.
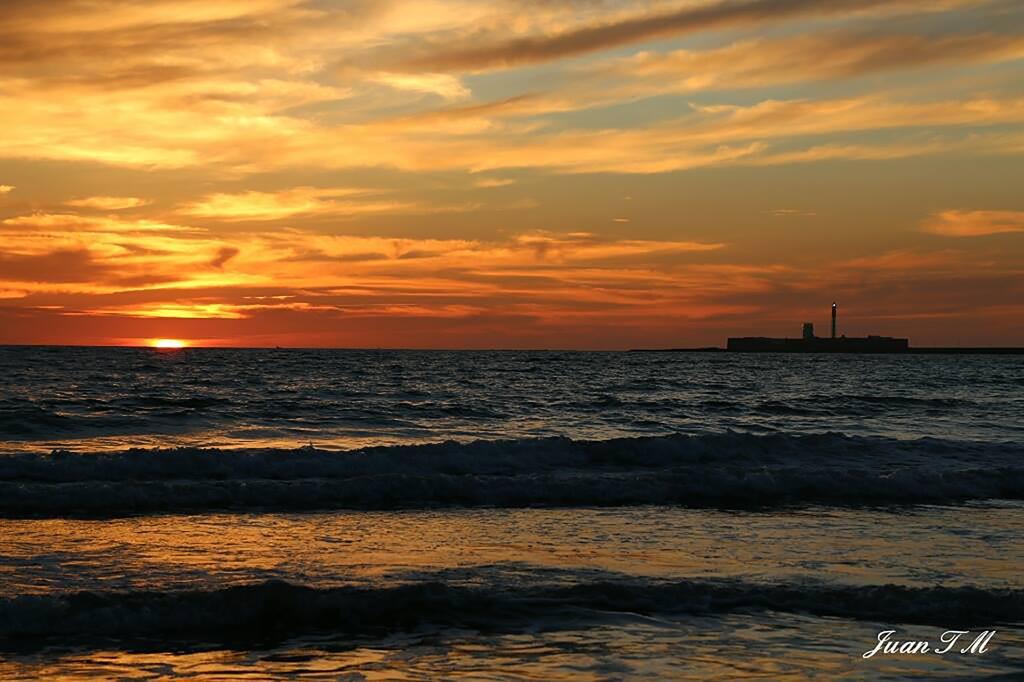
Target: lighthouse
x=809 y=343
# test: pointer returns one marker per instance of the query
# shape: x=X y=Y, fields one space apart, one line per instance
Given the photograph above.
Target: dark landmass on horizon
x=809 y=342
x=912 y=350
x=923 y=350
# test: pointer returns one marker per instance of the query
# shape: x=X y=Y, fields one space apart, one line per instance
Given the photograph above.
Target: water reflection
x=934 y=545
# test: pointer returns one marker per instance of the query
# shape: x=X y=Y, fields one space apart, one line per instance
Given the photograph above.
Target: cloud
x=65 y=30
x=645 y=27
x=253 y=205
x=906 y=260
x=309 y=201
x=567 y=286
x=302 y=146
x=170 y=89
x=441 y=84
x=224 y=254
x=791 y=212
x=707 y=135
x=217 y=105
x=750 y=63
x=63 y=265
x=5 y=189
x=797 y=59
x=110 y=253
x=766 y=132
x=524 y=250
x=587 y=247
x=187 y=311
x=490 y=183
x=80 y=223
x=108 y=203
x=300 y=255
x=534 y=269
x=956 y=223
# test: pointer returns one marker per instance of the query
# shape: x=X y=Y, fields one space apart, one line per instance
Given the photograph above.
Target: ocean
x=418 y=515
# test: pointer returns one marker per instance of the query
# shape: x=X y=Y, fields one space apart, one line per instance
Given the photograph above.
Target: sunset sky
x=551 y=174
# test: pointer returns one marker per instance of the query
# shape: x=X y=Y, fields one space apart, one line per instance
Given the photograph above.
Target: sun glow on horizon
x=168 y=343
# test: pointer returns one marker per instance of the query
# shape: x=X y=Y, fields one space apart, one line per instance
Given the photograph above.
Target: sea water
x=214 y=513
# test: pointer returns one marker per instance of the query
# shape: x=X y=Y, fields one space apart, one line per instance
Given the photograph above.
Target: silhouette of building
x=809 y=343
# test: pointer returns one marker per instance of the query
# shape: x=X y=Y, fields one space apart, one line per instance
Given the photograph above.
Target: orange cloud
x=309 y=272
x=254 y=205
x=441 y=84
x=489 y=183
x=117 y=253
x=187 y=311
x=108 y=203
x=62 y=265
x=308 y=201
x=225 y=254
x=72 y=221
x=974 y=223
x=907 y=260
x=224 y=107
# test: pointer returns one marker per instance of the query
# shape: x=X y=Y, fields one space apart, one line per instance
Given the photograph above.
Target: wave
x=822 y=405
x=712 y=470
x=278 y=608
x=38 y=422
x=82 y=416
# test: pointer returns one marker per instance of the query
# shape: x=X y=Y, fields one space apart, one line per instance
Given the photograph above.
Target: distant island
x=809 y=343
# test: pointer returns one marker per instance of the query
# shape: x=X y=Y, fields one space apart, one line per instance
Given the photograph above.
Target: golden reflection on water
x=920 y=547
x=933 y=546
x=783 y=647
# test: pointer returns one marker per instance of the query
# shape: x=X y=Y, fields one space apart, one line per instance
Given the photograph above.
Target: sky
x=497 y=174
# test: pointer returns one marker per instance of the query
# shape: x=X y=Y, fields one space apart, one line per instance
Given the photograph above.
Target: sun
x=168 y=343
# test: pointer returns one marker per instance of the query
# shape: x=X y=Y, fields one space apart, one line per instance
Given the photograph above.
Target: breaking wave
x=279 y=608
x=713 y=470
